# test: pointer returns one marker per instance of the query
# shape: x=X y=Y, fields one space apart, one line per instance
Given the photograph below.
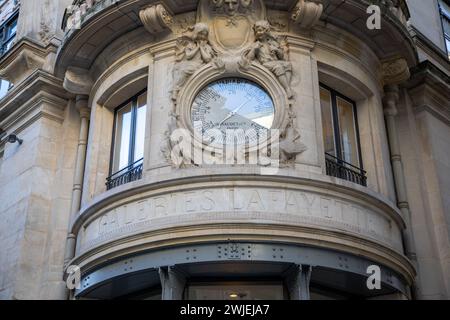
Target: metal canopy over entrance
x=298 y=268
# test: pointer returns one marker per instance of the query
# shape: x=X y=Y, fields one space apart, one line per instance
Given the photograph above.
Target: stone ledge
x=314 y=226
x=198 y=176
x=23 y=59
x=39 y=83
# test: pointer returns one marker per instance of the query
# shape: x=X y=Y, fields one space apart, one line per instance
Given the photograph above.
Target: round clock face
x=232 y=111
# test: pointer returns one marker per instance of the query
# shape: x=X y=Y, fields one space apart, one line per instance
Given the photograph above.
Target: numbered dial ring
x=232 y=111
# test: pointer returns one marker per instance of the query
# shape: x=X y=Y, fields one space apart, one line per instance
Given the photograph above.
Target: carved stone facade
x=300 y=213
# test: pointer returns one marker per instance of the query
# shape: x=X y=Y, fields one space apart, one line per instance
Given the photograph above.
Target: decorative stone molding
x=395 y=71
x=399 y=9
x=390 y=100
x=168 y=145
x=290 y=143
x=156 y=18
x=307 y=13
x=77 y=81
x=43 y=97
x=22 y=61
x=209 y=204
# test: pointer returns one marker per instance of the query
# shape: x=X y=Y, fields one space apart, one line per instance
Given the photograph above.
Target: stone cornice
x=25 y=57
x=43 y=105
x=38 y=85
x=430 y=48
x=430 y=88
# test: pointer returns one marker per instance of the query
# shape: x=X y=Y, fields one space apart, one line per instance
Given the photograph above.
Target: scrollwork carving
x=290 y=144
x=307 y=13
x=173 y=147
x=156 y=18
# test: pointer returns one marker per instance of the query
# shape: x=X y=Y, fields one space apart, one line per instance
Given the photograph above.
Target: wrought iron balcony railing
x=344 y=170
x=126 y=175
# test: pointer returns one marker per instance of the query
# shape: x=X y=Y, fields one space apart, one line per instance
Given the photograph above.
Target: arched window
x=128 y=141
x=341 y=136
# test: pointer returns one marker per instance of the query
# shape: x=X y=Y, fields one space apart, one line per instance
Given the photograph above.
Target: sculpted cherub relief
x=272 y=53
x=193 y=51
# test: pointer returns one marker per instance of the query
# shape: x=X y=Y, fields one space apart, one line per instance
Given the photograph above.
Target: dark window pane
x=11 y=29
x=122 y=138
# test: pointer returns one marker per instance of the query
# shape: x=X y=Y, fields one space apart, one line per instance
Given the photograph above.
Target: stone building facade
x=95 y=178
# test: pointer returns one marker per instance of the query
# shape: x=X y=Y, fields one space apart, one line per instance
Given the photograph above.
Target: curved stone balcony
x=147 y=216
x=91 y=25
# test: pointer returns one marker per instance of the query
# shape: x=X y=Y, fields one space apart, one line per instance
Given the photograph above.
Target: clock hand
x=233 y=113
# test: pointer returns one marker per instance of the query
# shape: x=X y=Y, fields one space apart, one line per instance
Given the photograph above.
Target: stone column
x=297 y=282
x=82 y=107
x=173 y=283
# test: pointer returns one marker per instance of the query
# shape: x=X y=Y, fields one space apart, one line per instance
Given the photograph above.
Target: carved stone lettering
x=239 y=204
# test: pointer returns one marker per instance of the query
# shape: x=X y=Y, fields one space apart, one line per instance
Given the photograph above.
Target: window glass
x=339 y=118
x=445 y=8
x=140 y=127
x=8 y=33
x=327 y=118
x=447 y=42
x=11 y=29
x=349 y=143
x=445 y=18
x=4 y=87
x=129 y=136
x=123 y=138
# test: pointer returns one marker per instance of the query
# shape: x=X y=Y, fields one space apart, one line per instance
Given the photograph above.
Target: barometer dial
x=232 y=111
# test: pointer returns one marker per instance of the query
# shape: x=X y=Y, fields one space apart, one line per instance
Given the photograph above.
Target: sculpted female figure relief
x=193 y=51
x=271 y=53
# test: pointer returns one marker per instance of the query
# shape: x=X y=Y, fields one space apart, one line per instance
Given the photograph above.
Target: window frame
x=337 y=126
x=134 y=100
x=3 y=30
x=443 y=15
